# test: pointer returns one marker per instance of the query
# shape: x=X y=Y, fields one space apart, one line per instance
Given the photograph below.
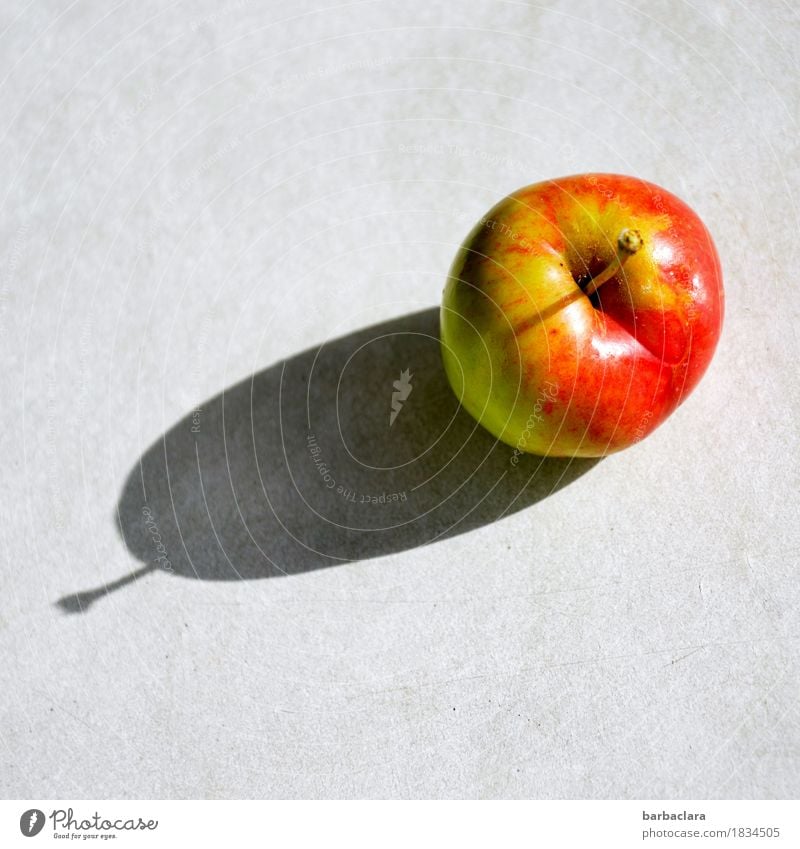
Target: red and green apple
x=580 y=312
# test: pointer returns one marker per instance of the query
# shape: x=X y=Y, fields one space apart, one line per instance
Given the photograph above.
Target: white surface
x=193 y=192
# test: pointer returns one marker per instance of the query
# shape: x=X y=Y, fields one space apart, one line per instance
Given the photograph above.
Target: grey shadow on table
x=331 y=456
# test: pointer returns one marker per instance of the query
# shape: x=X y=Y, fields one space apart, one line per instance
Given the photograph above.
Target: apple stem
x=628 y=243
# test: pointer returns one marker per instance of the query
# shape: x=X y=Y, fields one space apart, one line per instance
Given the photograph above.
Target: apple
x=579 y=313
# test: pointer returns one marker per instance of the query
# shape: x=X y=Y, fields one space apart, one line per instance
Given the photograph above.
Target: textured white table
x=193 y=193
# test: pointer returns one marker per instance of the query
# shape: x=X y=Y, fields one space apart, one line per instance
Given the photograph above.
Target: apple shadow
x=331 y=456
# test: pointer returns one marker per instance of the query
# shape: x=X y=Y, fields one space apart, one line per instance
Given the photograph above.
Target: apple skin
x=552 y=371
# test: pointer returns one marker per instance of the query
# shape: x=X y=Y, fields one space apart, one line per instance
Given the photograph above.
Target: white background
x=194 y=192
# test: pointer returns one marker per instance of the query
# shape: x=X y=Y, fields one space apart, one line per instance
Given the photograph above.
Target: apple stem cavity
x=628 y=243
